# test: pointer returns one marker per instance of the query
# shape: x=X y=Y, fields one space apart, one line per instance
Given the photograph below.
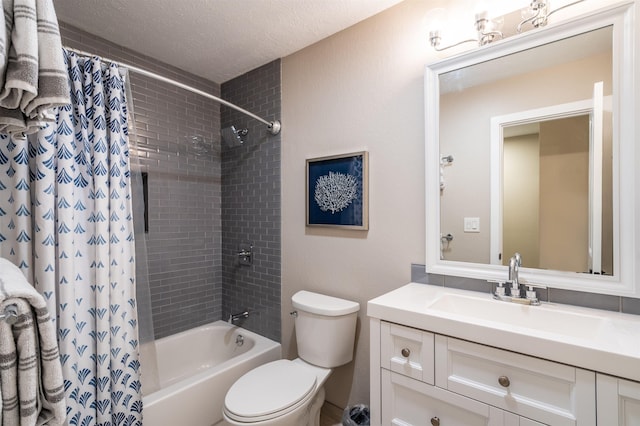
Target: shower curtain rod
x=273 y=126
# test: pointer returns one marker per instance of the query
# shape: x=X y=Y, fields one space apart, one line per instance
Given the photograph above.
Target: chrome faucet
x=531 y=297
x=514 y=267
x=233 y=318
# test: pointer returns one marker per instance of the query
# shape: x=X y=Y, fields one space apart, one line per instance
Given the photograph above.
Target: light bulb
x=434 y=19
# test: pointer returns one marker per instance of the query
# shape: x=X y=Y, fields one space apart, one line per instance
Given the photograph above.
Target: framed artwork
x=337 y=191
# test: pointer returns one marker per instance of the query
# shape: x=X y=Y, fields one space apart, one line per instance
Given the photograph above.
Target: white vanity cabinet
x=407 y=401
x=424 y=378
x=618 y=401
x=446 y=357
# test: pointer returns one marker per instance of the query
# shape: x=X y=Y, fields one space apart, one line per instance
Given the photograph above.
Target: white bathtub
x=195 y=370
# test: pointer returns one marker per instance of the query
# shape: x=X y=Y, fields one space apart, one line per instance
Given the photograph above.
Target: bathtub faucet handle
x=239 y=340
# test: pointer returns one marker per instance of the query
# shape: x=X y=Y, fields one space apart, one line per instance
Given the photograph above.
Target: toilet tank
x=325 y=328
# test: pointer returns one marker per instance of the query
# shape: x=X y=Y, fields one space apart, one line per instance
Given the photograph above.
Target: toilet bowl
x=291 y=393
x=281 y=392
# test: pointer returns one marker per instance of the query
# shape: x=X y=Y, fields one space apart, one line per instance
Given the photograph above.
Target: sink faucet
x=531 y=297
x=514 y=266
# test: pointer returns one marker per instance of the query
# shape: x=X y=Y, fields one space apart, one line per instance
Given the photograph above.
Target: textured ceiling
x=216 y=39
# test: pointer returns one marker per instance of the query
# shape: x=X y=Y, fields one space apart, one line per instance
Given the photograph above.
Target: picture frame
x=337 y=191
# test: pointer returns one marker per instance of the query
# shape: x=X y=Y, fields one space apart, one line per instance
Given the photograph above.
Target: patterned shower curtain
x=66 y=221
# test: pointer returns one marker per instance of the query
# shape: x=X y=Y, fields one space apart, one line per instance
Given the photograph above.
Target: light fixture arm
x=563 y=7
x=483 y=24
x=435 y=38
x=488 y=37
x=484 y=28
x=540 y=18
x=530 y=19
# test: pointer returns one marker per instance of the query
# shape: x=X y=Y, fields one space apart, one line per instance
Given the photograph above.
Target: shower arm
x=273 y=126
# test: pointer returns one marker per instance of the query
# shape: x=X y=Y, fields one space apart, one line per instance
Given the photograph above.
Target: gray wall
x=251 y=202
x=184 y=239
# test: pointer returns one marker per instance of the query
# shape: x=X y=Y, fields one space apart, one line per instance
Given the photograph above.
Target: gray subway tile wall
x=631 y=305
x=178 y=145
x=251 y=202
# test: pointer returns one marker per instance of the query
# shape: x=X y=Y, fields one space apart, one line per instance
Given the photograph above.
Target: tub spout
x=233 y=318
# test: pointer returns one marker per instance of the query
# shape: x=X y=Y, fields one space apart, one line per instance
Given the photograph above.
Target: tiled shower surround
x=178 y=145
x=251 y=202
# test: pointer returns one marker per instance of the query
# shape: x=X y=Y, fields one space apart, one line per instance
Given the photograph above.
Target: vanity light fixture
x=488 y=29
x=485 y=27
x=538 y=13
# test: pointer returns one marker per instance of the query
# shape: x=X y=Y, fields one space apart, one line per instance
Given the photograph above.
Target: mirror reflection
x=548 y=212
x=529 y=136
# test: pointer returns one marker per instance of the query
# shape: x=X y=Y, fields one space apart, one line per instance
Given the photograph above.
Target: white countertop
x=608 y=342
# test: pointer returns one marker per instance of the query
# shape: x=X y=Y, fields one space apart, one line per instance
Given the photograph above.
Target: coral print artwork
x=337 y=191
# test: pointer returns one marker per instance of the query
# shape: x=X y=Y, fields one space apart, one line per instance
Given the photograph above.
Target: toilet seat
x=270 y=391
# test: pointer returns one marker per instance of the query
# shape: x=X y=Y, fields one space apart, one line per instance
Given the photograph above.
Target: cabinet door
x=618 y=401
x=407 y=351
x=408 y=402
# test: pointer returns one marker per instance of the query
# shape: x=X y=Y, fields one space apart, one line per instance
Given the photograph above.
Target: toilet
x=291 y=393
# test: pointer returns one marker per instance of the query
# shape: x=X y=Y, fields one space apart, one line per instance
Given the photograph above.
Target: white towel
x=34 y=76
x=30 y=372
x=21 y=78
x=5 y=41
x=53 y=78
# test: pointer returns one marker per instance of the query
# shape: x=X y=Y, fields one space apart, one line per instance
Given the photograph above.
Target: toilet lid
x=270 y=390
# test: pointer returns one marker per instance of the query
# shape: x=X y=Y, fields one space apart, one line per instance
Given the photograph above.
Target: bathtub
x=195 y=370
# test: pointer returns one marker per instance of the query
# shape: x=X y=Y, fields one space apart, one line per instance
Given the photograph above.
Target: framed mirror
x=530 y=148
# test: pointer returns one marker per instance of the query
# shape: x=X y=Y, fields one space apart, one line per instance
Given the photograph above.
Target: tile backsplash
x=569 y=297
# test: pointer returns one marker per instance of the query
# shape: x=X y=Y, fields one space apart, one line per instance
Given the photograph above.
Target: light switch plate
x=471 y=224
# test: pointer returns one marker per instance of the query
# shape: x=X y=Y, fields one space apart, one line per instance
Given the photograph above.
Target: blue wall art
x=337 y=191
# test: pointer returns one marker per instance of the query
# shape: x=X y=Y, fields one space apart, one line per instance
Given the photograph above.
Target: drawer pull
x=405 y=352
x=504 y=381
x=435 y=421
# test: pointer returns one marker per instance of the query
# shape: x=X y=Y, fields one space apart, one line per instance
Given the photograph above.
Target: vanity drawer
x=408 y=402
x=407 y=351
x=548 y=392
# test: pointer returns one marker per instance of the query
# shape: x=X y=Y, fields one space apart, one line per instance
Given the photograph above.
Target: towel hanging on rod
x=27 y=333
x=34 y=77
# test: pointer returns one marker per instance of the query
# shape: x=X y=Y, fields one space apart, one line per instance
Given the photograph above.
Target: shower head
x=232 y=137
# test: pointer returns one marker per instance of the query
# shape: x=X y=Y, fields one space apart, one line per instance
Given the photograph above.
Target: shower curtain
x=66 y=221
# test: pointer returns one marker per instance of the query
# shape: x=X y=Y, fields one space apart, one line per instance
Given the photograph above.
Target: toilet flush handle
x=294 y=314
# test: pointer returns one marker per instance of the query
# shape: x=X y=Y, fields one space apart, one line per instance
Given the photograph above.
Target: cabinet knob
x=405 y=352
x=504 y=381
x=435 y=421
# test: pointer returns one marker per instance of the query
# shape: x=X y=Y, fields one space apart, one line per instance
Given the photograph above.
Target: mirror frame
x=626 y=180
